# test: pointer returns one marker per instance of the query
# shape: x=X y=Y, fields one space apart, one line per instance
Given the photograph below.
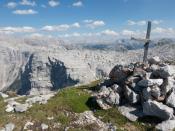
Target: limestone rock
x=171 y=99
x=3 y=95
x=168 y=125
x=28 y=124
x=132 y=80
x=154 y=108
x=102 y=104
x=155 y=91
x=146 y=94
x=131 y=96
x=21 y=107
x=150 y=82
x=139 y=72
x=87 y=118
x=44 y=126
x=119 y=73
x=117 y=88
x=154 y=60
x=130 y=112
x=164 y=71
x=113 y=98
x=104 y=91
x=41 y=99
x=9 y=127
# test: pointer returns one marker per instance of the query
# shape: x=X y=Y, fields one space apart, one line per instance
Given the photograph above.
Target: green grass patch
x=63 y=107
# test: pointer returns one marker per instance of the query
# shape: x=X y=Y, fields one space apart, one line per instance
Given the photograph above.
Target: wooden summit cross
x=146 y=41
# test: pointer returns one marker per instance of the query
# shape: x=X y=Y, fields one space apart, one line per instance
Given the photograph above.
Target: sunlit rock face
x=11 y=64
x=41 y=65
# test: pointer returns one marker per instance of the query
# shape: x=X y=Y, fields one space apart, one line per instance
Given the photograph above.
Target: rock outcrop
x=142 y=89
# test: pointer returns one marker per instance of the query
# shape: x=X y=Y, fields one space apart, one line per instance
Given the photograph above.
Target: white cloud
x=95 y=24
x=76 y=24
x=164 y=31
x=11 y=30
x=28 y=3
x=11 y=4
x=143 y=22
x=56 y=28
x=126 y=32
x=157 y=22
x=109 y=32
x=63 y=27
x=140 y=23
x=25 y=12
x=54 y=3
x=77 y=4
x=133 y=33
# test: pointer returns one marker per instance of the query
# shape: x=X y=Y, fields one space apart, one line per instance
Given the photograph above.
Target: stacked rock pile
x=141 y=90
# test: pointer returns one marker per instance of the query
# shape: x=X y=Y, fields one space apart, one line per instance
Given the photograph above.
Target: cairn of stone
x=140 y=90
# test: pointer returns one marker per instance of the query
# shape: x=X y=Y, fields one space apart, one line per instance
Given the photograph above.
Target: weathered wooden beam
x=140 y=40
x=146 y=46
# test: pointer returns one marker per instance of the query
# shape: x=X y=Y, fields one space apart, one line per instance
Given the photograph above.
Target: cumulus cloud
x=143 y=22
x=157 y=22
x=28 y=3
x=63 y=27
x=11 y=4
x=25 y=12
x=95 y=24
x=11 y=30
x=76 y=24
x=54 y=3
x=164 y=32
x=77 y=4
x=133 y=33
x=140 y=23
x=109 y=32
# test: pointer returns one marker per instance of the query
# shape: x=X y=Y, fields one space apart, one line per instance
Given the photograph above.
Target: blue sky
x=86 y=19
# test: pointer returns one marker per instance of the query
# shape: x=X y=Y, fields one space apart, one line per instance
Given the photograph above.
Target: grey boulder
x=171 y=99
x=154 y=60
x=154 y=108
x=113 y=99
x=9 y=127
x=150 y=82
x=21 y=107
x=130 y=112
x=102 y=104
x=168 y=125
x=131 y=96
x=119 y=73
x=146 y=94
x=165 y=71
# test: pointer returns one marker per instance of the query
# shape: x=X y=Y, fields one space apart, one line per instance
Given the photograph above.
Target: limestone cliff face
x=11 y=64
x=34 y=66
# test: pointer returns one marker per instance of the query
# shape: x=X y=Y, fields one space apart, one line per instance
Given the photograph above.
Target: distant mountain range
x=121 y=45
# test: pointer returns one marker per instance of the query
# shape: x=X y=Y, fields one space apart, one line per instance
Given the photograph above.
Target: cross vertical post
x=146 y=46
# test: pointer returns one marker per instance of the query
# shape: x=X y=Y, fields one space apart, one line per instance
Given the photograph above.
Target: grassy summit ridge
x=63 y=107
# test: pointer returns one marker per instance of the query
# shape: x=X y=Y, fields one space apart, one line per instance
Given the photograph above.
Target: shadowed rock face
x=43 y=75
x=58 y=75
x=25 y=78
